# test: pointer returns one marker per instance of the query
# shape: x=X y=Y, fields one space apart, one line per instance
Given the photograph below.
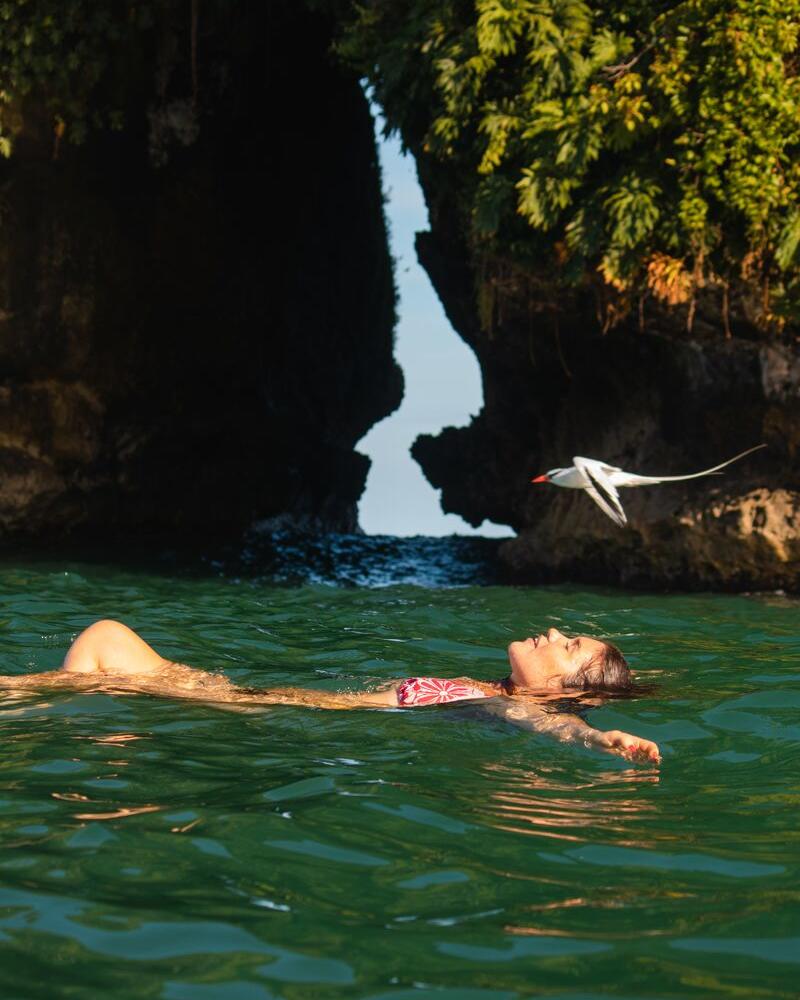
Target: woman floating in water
x=109 y=656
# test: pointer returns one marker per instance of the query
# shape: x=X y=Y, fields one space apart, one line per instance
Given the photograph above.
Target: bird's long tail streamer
x=645 y=480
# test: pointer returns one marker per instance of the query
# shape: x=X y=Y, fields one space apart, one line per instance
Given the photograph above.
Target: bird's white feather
x=631 y=479
x=595 y=480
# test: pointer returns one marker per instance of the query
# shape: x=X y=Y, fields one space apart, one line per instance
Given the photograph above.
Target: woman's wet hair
x=608 y=671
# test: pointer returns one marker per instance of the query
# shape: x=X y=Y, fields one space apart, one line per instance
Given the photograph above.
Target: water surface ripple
x=162 y=850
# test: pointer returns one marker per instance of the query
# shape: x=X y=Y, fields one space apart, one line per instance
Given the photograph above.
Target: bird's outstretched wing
x=631 y=479
x=601 y=489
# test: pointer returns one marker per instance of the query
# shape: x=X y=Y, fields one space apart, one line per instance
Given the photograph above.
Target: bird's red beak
x=541 y=479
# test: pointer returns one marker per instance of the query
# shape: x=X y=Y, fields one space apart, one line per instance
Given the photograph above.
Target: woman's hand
x=626 y=745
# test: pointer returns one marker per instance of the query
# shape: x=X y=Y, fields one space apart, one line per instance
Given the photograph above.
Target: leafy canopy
x=56 y=52
x=642 y=146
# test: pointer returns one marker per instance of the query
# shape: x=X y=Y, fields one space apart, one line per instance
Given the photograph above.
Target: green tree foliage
x=641 y=147
x=54 y=53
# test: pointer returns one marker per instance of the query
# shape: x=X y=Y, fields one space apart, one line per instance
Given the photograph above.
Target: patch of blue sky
x=442 y=377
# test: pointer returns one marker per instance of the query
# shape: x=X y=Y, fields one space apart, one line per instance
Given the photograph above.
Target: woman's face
x=543 y=661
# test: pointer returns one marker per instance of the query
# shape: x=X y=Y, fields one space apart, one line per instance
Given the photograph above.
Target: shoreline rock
x=655 y=401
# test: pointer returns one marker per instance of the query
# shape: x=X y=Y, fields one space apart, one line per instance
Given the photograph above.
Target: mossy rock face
x=196 y=323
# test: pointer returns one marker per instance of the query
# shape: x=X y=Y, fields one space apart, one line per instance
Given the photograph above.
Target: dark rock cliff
x=655 y=401
x=196 y=313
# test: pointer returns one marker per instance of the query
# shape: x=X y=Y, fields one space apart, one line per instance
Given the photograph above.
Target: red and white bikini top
x=436 y=691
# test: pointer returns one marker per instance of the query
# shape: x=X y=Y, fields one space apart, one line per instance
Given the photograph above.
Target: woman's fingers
x=648 y=749
x=632 y=746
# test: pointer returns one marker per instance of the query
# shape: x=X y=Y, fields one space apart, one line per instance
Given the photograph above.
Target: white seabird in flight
x=601 y=481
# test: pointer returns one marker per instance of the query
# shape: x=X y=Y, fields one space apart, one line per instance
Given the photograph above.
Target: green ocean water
x=153 y=848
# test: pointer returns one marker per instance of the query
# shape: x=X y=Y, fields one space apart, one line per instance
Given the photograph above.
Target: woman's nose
x=553 y=634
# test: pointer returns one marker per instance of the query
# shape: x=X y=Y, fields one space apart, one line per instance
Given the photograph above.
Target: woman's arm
x=570 y=729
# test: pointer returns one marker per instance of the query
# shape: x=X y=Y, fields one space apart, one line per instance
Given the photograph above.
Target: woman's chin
x=519 y=656
x=519 y=647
